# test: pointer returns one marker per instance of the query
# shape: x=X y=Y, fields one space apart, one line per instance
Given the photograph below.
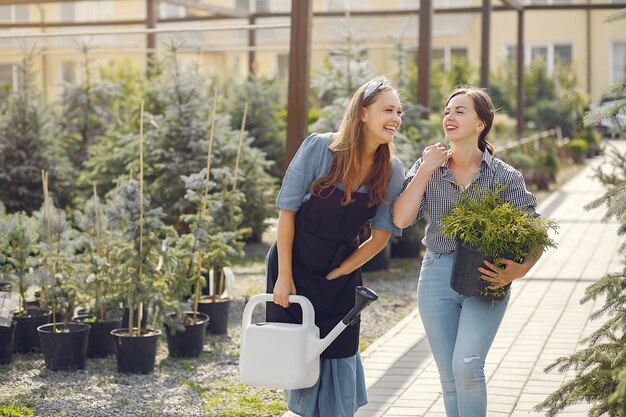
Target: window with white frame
x=8 y=77
x=335 y=5
x=171 y=11
x=618 y=67
x=87 y=11
x=552 y=54
x=14 y=13
x=262 y=6
x=67 y=12
x=444 y=57
x=282 y=66
x=539 y=2
x=69 y=72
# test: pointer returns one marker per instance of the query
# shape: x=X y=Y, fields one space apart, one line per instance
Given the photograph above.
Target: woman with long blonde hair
x=336 y=183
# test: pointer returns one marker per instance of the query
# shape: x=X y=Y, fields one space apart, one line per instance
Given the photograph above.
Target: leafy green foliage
x=19 y=252
x=214 y=239
x=98 y=292
x=346 y=68
x=266 y=118
x=177 y=130
x=57 y=242
x=22 y=133
x=495 y=227
x=601 y=366
x=86 y=113
x=15 y=410
x=140 y=257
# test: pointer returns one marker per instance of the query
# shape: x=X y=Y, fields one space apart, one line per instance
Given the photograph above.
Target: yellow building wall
x=541 y=27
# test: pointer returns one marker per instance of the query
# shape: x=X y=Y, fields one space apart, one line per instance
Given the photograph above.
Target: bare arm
x=408 y=202
x=284 y=284
x=368 y=249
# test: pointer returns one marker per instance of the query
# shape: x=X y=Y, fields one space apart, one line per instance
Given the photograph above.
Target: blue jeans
x=460 y=331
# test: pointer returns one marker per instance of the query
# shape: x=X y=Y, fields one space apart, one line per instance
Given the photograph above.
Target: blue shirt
x=442 y=191
x=312 y=161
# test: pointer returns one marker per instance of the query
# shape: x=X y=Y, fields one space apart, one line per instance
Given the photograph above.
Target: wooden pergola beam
x=299 y=69
x=485 y=42
x=424 y=55
x=521 y=97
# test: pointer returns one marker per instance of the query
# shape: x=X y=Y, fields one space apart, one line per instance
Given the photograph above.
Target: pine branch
x=621 y=15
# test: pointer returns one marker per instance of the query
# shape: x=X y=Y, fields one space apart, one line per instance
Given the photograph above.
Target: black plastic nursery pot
x=190 y=342
x=65 y=348
x=466 y=278
x=217 y=310
x=26 y=335
x=136 y=354
x=101 y=342
x=6 y=342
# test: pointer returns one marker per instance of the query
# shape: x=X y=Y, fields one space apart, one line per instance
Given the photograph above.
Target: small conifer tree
x=601 y=366
x=22 y=154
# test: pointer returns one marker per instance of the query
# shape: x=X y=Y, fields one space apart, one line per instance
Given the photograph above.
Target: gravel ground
x=203 y=386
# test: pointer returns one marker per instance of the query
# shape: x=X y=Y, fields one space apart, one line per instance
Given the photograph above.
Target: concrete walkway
x=544 y=321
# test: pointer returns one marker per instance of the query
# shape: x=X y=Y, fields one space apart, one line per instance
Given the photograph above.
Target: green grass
x=238 y=400
x=14 y=410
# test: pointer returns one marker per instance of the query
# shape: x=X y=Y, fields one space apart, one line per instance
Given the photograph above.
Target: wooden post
x=152 y=9
x=299 y=64
x=251 y=51
x=424 y=55
x=520 y=75
x=484 y=51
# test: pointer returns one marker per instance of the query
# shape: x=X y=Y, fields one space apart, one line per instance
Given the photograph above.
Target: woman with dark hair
x=336 y=183
x=460 y=329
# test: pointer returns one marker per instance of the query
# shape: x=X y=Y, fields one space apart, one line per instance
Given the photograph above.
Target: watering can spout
x=363 y=298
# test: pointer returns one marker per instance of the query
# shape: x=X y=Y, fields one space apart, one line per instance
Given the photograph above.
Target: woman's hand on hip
x=283 y=288
x=435 y=155
x=499 y=277
x=334 y=274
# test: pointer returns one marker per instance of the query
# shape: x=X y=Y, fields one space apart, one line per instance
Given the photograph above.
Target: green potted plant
x=139 y=253
x=99 y=290
x=226 y=242
x=19 y=266
x=8 y=301
x=486 y=227
x=64 y=344
x=186 y=329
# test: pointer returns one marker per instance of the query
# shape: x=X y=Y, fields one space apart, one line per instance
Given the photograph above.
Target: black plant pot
x=26 y=335
x=136 y=354
x=466 y=278
x=6 y=342
x=380 y=262
x=101 y=342
x=65 y=349
x=144 y=317
x=217 y=310
x=188 y=343
x=5 y=286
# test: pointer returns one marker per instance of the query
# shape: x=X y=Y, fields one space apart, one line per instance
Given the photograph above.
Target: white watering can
x=286 y=355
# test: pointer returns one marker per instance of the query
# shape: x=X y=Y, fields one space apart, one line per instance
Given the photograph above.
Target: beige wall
x=541 y=27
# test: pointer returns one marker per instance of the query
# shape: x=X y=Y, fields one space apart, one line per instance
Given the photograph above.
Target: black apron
x=326 y=233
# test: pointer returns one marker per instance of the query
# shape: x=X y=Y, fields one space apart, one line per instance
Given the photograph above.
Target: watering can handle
x=308 y=314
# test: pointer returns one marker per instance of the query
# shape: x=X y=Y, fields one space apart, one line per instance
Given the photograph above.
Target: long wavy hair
x=484 y=109
x=348 y=146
